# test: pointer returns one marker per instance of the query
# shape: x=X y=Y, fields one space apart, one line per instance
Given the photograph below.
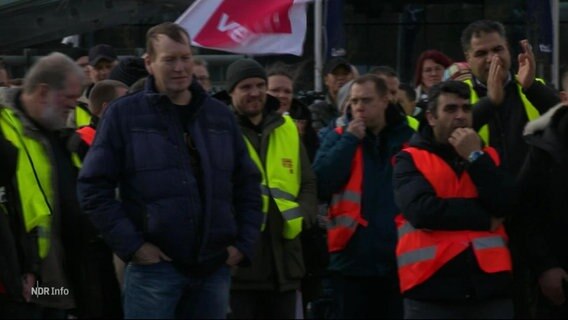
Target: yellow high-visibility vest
x=412 y=123
x=82 y=116
x=34 y=178
x=532 y=112
x=281 y=178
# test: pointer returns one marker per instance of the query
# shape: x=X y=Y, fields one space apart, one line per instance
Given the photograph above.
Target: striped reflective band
x=346 y=195
x=293 y=213
x=42 y=232
x=342 y=221
x=265 y=190
x=281 y=194
x=489 y=242
x=415 y=256
x=404 y=229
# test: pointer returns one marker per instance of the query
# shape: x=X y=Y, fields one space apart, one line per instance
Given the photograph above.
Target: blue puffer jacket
x=139 y=147
x=371 y=251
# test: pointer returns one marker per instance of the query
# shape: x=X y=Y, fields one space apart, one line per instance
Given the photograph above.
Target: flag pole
x=318 y=12
x=555 y=42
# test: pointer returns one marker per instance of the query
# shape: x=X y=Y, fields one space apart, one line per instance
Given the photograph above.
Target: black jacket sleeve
x=497 y=189
x=419 y=204
x=542 y=96
x=533 y=181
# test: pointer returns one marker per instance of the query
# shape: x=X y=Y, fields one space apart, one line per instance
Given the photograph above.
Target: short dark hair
x=451 y=86
x=380 y=84
x=475 y=29
x=170 y=30
x=384 y=71
x=408 y=91
x=104 y=91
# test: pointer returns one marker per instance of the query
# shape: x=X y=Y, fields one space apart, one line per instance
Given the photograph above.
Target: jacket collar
x=155 y=98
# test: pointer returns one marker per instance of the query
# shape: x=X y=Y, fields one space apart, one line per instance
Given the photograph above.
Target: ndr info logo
x=48 y=291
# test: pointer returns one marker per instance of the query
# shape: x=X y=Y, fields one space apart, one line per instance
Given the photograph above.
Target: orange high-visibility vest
x=87 y=134
x=344 y=211
x=421 y=253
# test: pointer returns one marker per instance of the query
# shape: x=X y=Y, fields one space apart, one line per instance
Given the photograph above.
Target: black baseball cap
x=335 y=63
x=101 y=51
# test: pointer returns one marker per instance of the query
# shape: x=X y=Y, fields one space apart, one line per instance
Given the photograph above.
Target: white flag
x=247 y=26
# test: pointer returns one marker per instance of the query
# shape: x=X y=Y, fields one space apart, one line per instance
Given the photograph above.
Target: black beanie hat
x=129 y=70
x=243 y=69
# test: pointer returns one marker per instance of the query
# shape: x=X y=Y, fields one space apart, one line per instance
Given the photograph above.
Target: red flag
x=247 y=26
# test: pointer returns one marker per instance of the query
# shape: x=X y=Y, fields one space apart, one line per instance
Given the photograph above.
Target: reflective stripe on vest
x=344 y=211
x=531 y=111
x=412 y=123
x=281 y=179
x=34 y=178
x=82 y=116
x=421 y=253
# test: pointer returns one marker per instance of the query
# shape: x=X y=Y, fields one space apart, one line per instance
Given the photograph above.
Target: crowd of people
x=129 y=190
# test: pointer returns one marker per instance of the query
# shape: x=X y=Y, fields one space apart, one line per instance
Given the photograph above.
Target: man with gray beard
x=32 y=119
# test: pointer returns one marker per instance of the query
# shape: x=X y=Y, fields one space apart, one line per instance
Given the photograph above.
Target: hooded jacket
x=544 y=185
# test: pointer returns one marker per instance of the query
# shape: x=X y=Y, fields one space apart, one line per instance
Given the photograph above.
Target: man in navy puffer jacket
x=190 y=203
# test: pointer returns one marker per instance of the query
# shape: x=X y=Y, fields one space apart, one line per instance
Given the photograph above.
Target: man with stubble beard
x=267 y=288
x=453 y=194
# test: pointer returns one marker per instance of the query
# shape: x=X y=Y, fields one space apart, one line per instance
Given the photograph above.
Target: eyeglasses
x=202 y=78
x=433 y=69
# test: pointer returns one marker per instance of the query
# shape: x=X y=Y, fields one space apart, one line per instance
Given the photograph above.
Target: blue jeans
x=161 y=291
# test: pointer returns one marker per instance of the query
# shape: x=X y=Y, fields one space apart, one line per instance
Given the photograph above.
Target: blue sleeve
x=97 y=183
x=247 y=198
x=333 y=162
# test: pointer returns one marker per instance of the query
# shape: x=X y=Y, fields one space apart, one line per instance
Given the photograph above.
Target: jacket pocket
x=293 y=258
x=260 y=269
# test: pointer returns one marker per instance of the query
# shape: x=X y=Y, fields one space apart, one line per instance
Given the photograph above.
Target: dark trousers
x=367 y=297
x=491 y=309
x=546 y=310
x=263 y=304
x=10 y=309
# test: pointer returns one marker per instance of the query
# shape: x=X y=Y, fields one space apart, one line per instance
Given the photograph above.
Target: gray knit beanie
x=243 y=69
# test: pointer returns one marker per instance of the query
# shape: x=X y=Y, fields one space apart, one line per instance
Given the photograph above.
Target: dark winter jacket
x=370 y=252
x=300 y=111
x=18 y=249
x=461 y=278
x=544 y=183
x=191 y=194
x=507 y=121
x=323 y=113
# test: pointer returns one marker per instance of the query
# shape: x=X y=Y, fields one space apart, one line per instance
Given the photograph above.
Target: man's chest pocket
x=221 y=149
x=151 y=149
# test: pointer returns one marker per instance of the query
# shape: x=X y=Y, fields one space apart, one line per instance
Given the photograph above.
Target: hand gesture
x=496 y=223
x=357 y=128
x=465 y=141
x=550 y=283
x=149 y=254
x=235 y=256
x=28 y=281
x=495 y=81
x=527 y=65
